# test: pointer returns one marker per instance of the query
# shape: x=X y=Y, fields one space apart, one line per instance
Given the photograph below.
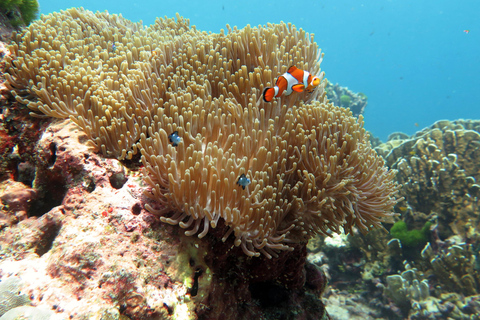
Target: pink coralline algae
x=72 y=258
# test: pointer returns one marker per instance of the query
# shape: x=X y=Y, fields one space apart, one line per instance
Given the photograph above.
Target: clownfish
x=293 y=80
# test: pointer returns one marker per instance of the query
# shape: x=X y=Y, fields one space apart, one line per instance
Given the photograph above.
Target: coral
x=16 y=198
x=28 y=313
x=10 y=294
x=342 y=96
x=439 y=168
x=411 y=293
x=455 y=268
x=129 y=88
x=95 y=236
x=407 y=286
x=33 y=235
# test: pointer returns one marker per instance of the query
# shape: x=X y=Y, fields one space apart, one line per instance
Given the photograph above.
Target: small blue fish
x=243 y=181
x=114 y=47
x=174 y=138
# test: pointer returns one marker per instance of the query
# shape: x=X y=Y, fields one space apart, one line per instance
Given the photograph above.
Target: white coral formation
x=407 y=286
x=11 y=295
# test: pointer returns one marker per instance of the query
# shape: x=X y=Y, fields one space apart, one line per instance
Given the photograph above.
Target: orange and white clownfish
x=293 y=80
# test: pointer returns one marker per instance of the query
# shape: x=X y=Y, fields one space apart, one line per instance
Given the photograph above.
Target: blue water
x=411 y=58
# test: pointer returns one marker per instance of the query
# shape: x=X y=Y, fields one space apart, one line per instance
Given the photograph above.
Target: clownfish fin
x=298 y=87
x=292 y=69
x=268 y=94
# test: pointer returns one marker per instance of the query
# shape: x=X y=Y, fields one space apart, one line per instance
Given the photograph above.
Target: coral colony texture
x=341 y=96
x=439 y=168
x=427 y=267
x=254 y=180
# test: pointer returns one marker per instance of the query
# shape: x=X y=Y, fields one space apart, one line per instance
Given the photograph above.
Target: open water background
x=413 y=59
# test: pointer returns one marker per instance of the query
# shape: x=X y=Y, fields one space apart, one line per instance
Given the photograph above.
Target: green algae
x=19 y=11
x=410 y=238
x=345 y=101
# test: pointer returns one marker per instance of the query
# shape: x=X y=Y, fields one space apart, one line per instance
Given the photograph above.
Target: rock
x=16 y=198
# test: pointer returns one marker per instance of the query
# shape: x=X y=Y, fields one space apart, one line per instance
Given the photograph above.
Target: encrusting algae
x=191 y=103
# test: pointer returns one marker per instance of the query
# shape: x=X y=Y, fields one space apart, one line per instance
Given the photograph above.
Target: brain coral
x=129 y=87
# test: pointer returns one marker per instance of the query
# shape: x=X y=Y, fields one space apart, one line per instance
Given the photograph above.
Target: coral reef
x=129 y=88
x=196 y=147
x=439 y=168
x=343 y=97
x=254 y=180
x=435 y=238
x=93 y=251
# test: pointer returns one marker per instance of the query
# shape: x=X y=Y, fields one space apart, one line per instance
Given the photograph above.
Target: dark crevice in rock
x=51 y=194
x=53 y=154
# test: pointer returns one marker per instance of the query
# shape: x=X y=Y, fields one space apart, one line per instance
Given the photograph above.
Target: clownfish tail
x=268 y=94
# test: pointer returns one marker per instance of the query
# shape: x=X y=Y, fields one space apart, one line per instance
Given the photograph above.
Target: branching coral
x=455 y=268
x=311 y=167
x=407 y=286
